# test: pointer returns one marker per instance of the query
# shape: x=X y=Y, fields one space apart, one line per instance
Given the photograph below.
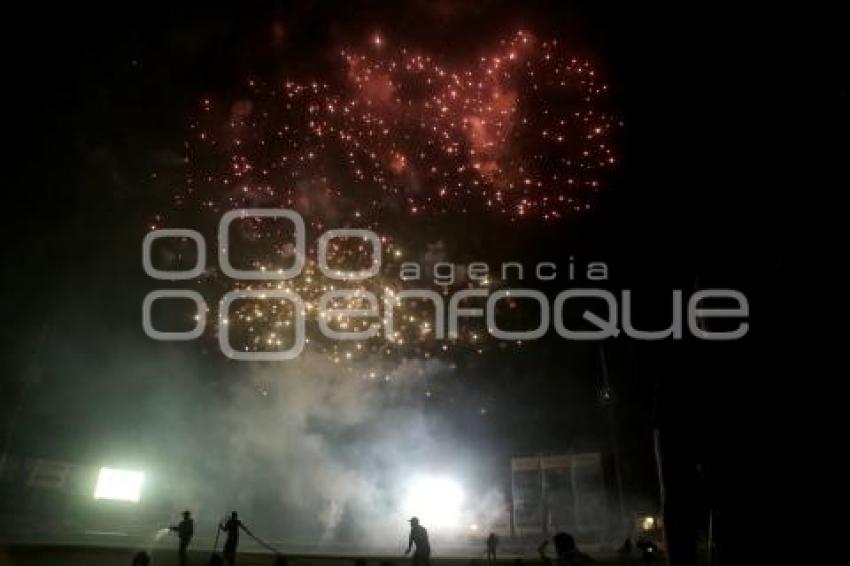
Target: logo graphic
x=615 y=318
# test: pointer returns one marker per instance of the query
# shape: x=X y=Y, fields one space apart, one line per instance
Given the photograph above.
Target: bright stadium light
x=437 y=501
x=119 y=485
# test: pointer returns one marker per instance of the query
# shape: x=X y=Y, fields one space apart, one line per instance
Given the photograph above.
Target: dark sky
x=94 y=96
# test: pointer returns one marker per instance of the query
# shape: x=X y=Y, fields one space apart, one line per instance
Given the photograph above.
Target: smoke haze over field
x=304 y=450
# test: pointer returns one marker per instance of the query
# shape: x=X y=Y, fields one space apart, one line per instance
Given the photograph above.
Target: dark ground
x=23 y=555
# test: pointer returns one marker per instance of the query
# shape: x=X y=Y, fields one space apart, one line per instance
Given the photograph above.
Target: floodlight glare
x=119 y=485
x=437 y=501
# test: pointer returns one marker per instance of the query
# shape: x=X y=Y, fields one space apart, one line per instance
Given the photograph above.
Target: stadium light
x=437 y=501
x=119 y=485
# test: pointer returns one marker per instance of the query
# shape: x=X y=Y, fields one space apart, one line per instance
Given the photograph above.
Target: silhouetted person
x=492 y=543
x=648 y=550
x=566 y=552
x=185 y=530
x=419 y=537
x=141 y=558
x=231 y=527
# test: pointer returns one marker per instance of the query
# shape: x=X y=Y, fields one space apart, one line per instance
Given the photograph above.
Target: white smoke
x=328 y=440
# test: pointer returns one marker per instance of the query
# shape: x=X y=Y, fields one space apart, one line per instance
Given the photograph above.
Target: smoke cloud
x=310 y=451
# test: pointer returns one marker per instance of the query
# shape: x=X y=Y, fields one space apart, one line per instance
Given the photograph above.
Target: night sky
x=100 y=105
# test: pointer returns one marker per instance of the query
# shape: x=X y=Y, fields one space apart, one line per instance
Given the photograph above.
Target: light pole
x=606 y=398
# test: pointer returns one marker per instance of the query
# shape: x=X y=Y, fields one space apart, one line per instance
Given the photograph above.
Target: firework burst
x=521 y=133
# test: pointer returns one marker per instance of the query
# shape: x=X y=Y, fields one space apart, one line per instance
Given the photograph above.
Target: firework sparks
x=520 y=133
x=523 y=132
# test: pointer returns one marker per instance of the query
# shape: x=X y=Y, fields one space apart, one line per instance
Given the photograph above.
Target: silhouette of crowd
x=566 y=550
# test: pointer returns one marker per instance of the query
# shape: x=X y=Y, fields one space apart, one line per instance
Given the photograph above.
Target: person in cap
x=419 y=538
